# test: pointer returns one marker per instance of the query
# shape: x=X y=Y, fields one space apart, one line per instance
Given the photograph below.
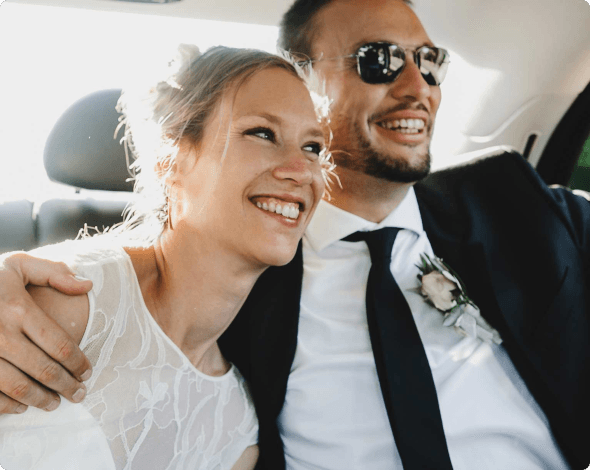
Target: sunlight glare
x=56 y=55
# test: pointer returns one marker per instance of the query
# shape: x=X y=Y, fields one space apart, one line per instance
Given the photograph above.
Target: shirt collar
x=330 y=224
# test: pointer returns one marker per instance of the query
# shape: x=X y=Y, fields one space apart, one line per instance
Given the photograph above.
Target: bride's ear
x=171 y=169
x=165 y=169
x=186 y=158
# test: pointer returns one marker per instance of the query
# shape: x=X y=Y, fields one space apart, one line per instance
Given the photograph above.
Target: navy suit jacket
x=523 y=252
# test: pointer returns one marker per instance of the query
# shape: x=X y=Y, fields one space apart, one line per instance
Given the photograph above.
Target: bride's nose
x=296 y=168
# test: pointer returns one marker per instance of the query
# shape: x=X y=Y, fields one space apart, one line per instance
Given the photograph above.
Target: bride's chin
x=277 y=256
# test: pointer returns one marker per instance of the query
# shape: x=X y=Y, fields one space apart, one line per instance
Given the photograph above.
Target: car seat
x=17 y=227
x=82 y=152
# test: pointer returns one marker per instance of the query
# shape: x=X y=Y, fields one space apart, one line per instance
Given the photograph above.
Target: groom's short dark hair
x=298 y=26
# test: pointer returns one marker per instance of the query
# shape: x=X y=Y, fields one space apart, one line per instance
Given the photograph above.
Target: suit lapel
x=448 y=234
x=468 y=260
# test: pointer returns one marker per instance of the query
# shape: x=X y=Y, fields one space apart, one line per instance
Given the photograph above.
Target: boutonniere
x=442 y=288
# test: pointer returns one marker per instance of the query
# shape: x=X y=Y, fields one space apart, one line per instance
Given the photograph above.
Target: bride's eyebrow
x=269 y=117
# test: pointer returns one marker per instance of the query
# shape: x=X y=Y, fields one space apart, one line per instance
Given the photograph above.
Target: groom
x=329 y=373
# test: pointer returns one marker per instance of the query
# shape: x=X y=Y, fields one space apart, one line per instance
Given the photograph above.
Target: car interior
x=519 y=78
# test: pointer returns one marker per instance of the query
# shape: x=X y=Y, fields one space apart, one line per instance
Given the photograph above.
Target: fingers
x=36 y=369
x=25 y=329
x=10 y=406
x=32 y=341
x=56 y=345
x=18 y=389
x=20 y=316
x=41 y=272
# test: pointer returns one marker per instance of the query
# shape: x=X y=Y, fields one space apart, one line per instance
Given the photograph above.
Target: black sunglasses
x=383 y=62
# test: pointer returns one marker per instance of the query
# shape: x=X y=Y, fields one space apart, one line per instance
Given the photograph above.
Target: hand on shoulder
x=35 y=352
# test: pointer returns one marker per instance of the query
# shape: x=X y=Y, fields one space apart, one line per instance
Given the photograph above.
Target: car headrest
x=82 y=150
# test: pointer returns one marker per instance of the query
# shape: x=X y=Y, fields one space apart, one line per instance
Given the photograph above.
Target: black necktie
x=402 y=366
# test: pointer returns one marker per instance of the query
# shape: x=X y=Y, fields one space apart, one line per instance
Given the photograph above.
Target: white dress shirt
x=334 y=417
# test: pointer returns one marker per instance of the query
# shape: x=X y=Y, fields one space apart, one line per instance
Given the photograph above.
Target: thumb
x=70 y=283
x=42 y=272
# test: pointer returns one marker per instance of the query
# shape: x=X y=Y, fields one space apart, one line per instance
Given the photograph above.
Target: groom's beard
x=376 y=163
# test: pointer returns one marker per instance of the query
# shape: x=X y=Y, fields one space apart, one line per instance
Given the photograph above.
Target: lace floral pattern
x=156 y=410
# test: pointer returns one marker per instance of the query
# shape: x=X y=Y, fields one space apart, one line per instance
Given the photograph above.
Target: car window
x=581 y=176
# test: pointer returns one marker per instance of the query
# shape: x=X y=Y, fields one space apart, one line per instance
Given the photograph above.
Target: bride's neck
x=194 y=289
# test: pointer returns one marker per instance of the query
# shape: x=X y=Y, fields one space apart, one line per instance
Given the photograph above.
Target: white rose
x=439 y=290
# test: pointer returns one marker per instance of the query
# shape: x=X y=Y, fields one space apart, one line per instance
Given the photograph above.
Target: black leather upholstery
x=17 y=227
x=62 y=219
x=82 y=150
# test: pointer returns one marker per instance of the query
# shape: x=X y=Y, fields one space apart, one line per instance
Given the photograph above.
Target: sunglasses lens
x=383 y=63
x=380 y=63
x=433 y=64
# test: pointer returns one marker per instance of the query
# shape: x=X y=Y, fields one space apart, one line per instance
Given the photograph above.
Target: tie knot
x=380 y=242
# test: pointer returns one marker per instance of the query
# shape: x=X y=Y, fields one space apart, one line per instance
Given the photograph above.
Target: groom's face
x=369 y=135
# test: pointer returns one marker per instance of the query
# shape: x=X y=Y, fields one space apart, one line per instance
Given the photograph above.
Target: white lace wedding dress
x=147 y=406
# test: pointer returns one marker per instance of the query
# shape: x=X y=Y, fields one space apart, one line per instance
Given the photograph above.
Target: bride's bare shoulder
x=70 y=312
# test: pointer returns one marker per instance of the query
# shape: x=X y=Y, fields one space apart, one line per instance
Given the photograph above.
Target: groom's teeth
x=289 y=210
x=405 y=126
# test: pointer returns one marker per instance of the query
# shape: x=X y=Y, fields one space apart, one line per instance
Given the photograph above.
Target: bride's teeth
x=404 y=123
x=289 y=210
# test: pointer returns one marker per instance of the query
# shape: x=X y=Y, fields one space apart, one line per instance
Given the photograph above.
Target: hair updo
x=179 y=107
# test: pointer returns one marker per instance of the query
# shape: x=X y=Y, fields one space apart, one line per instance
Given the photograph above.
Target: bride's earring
x=170 y=201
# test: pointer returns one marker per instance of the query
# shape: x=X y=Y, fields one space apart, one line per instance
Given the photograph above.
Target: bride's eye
x=262 y=132
x=313 y=147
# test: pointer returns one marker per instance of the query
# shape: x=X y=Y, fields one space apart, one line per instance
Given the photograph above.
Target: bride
x=230 y=165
